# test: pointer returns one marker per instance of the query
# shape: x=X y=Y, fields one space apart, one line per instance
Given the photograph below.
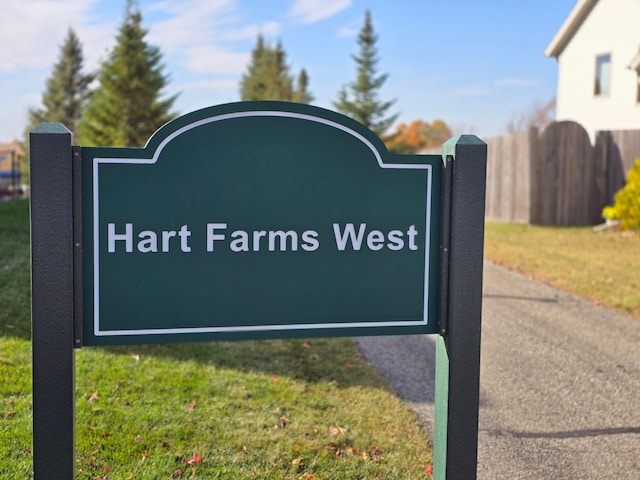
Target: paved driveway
x=559 y=386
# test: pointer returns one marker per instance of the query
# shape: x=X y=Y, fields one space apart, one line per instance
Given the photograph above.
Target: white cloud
x=311 y=11
x=198 y=93
x=200 y=35
x=188 y=22
x=212 y=85
x=31 y=32
x=268 y=29
x=214 y=59
x=351 y=29
x=347 y=32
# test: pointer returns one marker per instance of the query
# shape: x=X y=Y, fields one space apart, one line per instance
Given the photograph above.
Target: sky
x=476 y=64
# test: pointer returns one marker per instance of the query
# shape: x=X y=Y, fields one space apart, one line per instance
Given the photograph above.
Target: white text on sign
x=348 y=237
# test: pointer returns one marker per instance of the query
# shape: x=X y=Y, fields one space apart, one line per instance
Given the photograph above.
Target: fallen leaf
x=192 y=406
x=275 y=378
x=195 y=459
x=138 y=438
x=336 y=431
x=93 y=397
x=135 y=356
x=306 y=345
x=375 y=453
x=429 y=469
x=297 y=461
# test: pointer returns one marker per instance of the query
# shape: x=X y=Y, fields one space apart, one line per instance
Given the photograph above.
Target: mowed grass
x=295 y=409
x=602 y=267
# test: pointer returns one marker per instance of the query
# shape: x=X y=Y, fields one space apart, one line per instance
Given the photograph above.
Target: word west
x=347 y=237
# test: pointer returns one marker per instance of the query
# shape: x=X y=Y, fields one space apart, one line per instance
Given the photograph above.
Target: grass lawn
x=602 y=267
x=296 y=409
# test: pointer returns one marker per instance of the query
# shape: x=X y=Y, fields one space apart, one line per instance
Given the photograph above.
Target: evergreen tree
x=301 y=94
x=268 y=77
x=362 y=104
x=253 y=85
x=281 y=85
x=127 y=107
x=65 y=95
x=67 y=88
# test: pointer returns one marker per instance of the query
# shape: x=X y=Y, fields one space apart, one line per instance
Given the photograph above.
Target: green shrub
x=626 y=203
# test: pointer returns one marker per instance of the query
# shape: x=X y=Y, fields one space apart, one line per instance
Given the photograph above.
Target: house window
x=603 y=74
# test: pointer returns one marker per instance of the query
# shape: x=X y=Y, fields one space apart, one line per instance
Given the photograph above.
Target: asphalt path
x=559 y=383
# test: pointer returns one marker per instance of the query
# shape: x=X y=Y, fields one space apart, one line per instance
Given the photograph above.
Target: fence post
x=457 y=389
x=52 y=303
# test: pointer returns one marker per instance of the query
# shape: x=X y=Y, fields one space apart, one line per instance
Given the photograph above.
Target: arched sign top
x=257 y=109
x=276 y=109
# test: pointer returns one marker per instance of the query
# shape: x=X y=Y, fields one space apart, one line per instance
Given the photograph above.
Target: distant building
x=10 y=155
x=598 y=54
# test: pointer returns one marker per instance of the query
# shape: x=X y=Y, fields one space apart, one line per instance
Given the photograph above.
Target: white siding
x=613 y=26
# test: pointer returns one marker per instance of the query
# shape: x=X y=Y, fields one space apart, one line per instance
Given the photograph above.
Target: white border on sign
x=250 y=328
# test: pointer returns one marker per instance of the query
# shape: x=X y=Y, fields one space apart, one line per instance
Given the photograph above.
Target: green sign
x=258 y=220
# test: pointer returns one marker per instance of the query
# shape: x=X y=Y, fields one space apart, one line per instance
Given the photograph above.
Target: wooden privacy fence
x=557 y=177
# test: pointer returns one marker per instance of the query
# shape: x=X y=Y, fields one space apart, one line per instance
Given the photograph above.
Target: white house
x=598 y=53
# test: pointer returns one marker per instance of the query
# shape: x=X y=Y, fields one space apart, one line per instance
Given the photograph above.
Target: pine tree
x=359 y=100
x=65 y=96
x=301 y=94
x=268 y=77
x=281 y=86
x=127 y=107
x=253 y=85
x=67 y=88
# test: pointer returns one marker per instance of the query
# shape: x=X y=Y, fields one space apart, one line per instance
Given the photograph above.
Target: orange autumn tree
x=418 y=136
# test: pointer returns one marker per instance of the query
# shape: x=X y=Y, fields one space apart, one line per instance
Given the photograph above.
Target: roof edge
x=570 y=26
x=635 y=63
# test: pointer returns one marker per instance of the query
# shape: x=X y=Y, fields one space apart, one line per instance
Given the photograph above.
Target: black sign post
x=52 y=302
x=455 y=435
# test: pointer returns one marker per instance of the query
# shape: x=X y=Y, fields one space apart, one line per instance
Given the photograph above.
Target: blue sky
x=475 y=64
